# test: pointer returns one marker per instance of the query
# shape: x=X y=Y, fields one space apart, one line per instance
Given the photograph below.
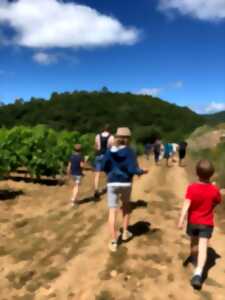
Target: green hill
x=88 y=112
x=216 y=118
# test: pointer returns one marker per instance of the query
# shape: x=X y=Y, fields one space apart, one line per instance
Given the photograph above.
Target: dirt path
x=73 y=262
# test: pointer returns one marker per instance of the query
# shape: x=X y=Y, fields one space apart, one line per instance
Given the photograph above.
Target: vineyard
x=39 y=150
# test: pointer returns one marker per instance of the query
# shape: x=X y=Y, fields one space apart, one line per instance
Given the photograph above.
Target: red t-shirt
x=204 y=197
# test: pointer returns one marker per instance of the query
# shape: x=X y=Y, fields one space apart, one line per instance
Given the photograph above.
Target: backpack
x=103 y=143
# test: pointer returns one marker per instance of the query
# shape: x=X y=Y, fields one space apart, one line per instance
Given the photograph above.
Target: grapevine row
x=41 y=150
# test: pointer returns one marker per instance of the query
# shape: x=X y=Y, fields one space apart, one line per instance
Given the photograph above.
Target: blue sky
x=172 y=49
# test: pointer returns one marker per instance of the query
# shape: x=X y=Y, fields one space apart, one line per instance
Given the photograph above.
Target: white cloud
x=215 y=107
x=44 y=58
x=150 y=91
x=208 y=10
x=54 y=23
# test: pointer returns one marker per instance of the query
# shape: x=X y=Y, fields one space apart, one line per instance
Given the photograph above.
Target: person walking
x=157 y=150
x=201 y=199
x=103 y=142
x=120 y=165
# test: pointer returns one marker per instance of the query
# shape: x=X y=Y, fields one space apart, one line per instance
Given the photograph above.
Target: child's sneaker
x=196 y=282
x=113 y=246
x=126 y=235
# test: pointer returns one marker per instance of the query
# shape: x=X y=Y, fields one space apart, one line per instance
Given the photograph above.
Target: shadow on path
x=212 y=256
x=9 y=194
x=140 y=228
x=44 y=181
x=138 y=204
x=94 y=198
x=137 y=229
x=211 y=262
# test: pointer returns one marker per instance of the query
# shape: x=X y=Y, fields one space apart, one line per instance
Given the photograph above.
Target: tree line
x=87 y=112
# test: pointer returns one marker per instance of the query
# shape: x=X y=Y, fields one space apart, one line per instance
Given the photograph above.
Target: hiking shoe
x=126 y=235
x=113 y=246
x=196 y=282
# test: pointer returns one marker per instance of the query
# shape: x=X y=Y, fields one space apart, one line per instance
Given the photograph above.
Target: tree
x=105 y=90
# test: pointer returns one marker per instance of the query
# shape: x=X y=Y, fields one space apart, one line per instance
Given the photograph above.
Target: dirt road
x=49 y=251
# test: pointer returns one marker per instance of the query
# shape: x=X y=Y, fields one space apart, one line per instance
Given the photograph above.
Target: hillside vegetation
x=216 y=118
x=88 y=112
x=205 y=142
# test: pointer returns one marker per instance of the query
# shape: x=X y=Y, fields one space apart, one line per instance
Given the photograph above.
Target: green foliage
x=147 y=134
x=41 y=150
x=138 y=148
x=89 y=112
x=216 y=118
x=5 y=154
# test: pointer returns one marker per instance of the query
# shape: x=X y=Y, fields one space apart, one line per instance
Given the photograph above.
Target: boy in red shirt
x=201 y=199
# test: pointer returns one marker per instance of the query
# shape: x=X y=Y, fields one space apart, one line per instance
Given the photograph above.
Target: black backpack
x=103 y=143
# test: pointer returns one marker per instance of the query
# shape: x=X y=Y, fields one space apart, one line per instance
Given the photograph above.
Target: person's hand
x=145 y=171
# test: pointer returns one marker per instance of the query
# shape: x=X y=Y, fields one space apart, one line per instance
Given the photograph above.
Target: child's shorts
x=182 y=154
x=114 y=193
x=203 y=231
x=77 y=178
x=98 y=163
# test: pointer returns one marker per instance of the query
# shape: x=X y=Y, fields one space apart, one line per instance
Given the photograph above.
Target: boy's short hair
x=205 y=169
x=77 y=147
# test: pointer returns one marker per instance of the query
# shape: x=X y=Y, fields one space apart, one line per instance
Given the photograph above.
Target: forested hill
x=87 y=112
x=216 y=118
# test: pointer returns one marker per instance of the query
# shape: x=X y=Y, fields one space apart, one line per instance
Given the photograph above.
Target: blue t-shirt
x=76 y=160
x=168 y=149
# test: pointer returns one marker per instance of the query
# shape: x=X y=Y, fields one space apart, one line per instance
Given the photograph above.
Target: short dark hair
x=106 y=127
x=205 y=169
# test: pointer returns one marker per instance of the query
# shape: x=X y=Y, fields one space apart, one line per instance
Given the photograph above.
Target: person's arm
x=133 y=167
x=218 y=198
x=184 y=212
x=97 y=143
x=110 y=141
x=82 y=162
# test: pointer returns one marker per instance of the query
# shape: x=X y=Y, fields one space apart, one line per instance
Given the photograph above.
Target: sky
x=172 y=49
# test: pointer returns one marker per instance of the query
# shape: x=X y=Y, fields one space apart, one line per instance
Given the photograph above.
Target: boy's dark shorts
x=204 y=231
x=182 y=154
